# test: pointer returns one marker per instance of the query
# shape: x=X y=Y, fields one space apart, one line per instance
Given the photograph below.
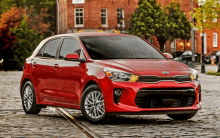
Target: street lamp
x=203 y=63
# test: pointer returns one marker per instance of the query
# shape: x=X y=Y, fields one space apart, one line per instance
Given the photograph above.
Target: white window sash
x=106 y=17
x=79 y=25
x=215 y=41
x=123 y=23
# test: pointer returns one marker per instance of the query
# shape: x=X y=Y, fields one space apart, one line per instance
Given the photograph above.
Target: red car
x=105 y=74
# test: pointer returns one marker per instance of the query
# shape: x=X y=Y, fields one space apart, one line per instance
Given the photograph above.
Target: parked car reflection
x=214 y=54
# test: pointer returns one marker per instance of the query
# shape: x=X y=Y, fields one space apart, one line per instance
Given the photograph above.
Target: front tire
x=181 y=116
x=92 y=104
x=29 y=99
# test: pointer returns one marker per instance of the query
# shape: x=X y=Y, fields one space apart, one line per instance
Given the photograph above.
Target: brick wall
x=92 y=19
x=92 y=12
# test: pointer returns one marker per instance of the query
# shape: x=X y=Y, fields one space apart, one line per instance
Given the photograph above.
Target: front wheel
x=181 y=116
x=29 y=100
x=92 y=104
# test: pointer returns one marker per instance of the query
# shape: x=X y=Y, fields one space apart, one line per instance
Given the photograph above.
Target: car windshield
x=119 y=47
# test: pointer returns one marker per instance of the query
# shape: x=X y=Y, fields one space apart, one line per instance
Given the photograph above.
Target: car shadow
x=138 y=120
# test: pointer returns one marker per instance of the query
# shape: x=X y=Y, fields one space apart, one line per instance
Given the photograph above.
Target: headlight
x=194 y=75
x=117 y=75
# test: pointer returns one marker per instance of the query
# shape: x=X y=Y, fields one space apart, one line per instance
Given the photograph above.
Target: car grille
x=165 y=97
x=154 y=79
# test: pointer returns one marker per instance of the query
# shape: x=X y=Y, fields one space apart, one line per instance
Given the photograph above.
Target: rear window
x=119 y=47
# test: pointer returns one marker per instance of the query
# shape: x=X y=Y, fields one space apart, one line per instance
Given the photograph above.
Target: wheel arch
x=22 y=84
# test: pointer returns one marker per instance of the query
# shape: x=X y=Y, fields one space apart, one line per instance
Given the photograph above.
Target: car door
x=42 y=67
x=67 y=75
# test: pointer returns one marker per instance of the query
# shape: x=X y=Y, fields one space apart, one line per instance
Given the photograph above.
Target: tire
x=93 y=110
x=28 y=95
x=181 y=116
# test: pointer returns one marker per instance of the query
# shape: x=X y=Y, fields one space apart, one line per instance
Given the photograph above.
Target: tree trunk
x=161 y=42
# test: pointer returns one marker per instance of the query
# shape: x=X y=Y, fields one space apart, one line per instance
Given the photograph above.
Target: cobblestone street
x=15 y=123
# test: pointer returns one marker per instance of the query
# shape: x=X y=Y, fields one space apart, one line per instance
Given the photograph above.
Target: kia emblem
x=165 y=72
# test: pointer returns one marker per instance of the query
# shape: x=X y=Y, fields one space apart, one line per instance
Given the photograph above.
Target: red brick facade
x=92 y=20
x=92 y=14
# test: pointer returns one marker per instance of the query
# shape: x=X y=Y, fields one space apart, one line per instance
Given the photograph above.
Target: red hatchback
x=105 y=74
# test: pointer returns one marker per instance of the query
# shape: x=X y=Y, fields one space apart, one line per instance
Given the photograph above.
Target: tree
x=9 y=19
x=207 y=15
x=27 y=40
x=179 y=24
x=37 y=6
x=150 y=19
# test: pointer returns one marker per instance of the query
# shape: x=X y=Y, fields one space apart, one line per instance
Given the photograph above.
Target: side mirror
x=167 y=55
x=73 y=57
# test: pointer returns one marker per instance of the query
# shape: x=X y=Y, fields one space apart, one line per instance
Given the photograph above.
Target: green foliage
x=38 y=5
x=206 y=14
x=27 y=41
x=212 y=72
x=150 y=19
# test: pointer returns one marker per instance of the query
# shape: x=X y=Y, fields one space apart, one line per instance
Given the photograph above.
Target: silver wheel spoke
x=28 y=97
x=94 y=104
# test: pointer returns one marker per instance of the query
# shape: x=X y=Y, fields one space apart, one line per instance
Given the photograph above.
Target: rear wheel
x=29 y=100
x=92 y=104
x=181 y=116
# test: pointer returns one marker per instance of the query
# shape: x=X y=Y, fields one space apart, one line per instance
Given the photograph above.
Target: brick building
x=92 y=15
x=98 y=15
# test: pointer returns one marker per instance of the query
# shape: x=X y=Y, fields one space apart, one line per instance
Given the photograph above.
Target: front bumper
x=129 y=91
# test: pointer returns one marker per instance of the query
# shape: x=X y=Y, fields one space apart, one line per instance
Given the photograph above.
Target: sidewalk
x=207 y=67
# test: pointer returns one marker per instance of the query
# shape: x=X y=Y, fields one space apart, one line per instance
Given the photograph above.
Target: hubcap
x=28 y=97
x=94 y=105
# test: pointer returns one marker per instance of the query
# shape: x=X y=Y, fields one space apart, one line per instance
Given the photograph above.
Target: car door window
x=50 y=48
x=69 y=46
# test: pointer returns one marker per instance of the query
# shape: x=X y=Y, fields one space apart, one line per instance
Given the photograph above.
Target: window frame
x=216 y=40
x=123 y=16
x=44 y=45
x=78 y=25
x=60 y=46
x=106 y=17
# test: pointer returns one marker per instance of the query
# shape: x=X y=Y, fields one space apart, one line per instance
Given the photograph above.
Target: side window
x=40 y=53
x=51 y=48
x=69 y=46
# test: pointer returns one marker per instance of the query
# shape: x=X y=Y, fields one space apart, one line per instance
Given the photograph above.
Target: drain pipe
x=58 y=18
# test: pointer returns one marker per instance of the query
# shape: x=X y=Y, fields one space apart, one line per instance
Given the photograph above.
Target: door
x=42 y=69
x=67 y=75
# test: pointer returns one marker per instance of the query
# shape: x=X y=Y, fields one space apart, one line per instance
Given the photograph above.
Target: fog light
x=118 y=92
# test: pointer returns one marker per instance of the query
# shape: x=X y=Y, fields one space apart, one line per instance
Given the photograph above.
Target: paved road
x=49 y=123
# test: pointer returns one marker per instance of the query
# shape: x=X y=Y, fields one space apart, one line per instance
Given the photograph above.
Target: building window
x=104 y=18
x=215 y=40
x=173 y=46
x=120 y=15
x=79 y=18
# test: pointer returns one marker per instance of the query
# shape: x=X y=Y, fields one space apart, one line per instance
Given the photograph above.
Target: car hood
x=141 y=65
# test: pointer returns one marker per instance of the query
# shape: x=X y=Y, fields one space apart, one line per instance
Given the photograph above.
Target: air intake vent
x=165 y=98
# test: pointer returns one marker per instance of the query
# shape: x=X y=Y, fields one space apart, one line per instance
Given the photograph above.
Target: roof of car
x=99 y=34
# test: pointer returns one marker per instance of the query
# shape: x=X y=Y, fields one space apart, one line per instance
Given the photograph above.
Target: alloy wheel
x=94 y=105
x=28 y=98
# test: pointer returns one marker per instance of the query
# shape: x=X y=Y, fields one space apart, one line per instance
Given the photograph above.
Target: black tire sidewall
x=34 y=105
x=82 y=104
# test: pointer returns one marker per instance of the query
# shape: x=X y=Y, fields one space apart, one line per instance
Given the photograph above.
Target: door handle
x=34 y=64
x=55 y=66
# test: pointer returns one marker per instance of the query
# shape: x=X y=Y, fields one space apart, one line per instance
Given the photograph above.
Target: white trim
x=79 y=25
x=78 y=1
x=205 y=43
x=216 y=40
x=123 y=16
x=106 y=18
